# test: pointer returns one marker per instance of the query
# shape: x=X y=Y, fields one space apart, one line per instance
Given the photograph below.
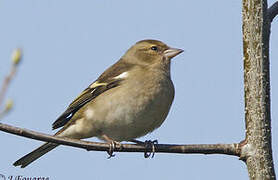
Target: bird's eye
x=154 y=48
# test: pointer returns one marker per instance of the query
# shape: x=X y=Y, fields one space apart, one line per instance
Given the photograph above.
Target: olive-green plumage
x=128 y=100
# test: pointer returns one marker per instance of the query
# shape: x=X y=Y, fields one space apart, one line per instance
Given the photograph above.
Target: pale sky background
x=68 y=44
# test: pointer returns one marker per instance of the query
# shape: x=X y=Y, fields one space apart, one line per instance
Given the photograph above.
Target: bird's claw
x=110 y=151
x=112 y=146
x=149 y=144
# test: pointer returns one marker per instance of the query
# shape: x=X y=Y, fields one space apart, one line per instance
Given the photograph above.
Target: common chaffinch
x=130 y=99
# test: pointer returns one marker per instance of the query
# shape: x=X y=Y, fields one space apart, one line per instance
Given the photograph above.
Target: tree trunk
x=256 y=149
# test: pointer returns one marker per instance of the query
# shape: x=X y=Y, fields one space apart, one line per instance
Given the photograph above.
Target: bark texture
x=256 y=149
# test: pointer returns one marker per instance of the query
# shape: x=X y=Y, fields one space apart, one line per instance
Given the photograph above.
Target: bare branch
x=6 y=83
x=16 y=58
x=228 y=149
x=272 y=11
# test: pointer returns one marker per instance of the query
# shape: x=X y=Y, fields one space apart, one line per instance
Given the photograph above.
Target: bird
x=127 y=101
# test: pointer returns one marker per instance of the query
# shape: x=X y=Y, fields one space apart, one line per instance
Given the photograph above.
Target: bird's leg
x=112 y=145
x=147 y=143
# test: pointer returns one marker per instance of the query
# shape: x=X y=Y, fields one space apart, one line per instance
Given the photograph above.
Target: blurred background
x=68 y=44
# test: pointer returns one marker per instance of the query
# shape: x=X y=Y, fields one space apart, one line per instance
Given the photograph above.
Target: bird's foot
x=148 y=144
x=110 y=152
x=112 y=146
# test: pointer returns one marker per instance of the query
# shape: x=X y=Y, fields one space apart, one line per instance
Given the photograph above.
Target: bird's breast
x=135 y=108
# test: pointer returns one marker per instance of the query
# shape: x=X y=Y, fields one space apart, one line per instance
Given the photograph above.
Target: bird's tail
x=34 y=155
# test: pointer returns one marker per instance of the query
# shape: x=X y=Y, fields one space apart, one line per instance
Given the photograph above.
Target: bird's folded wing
x=111 y=78
x=86 y=96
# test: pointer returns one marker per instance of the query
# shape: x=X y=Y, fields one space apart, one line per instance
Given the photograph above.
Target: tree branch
x=272 y=11
x=257 y=148
x=6 y=83
x=228 y=149
x=16 y=58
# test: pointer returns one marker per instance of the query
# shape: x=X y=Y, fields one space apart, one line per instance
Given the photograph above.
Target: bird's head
x=148 y=52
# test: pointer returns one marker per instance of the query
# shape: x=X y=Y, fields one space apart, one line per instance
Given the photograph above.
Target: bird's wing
x=105 y=82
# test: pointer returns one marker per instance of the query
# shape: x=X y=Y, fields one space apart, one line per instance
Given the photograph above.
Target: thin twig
x=272 y=11
x=228 y=149
x=16 y=58
x=6 y=82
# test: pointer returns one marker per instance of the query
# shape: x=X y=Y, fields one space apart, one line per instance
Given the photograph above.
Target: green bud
x=9 y=105
x=16 y=56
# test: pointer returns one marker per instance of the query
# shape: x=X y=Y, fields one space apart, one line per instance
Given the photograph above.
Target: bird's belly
x=132 y=117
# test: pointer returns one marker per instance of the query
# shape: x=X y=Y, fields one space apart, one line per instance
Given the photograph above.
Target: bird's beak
x=172 y=52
